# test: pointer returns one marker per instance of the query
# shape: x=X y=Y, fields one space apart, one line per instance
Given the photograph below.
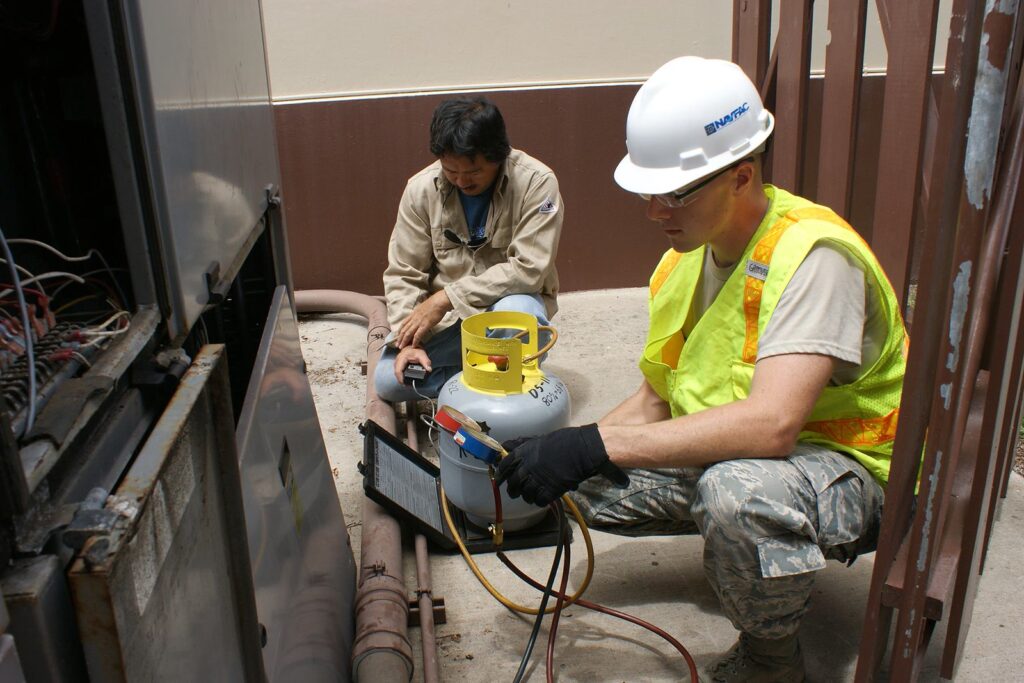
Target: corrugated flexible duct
x=382 y=652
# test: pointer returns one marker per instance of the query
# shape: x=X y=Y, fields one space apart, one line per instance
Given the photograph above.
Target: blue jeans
x=445 y=352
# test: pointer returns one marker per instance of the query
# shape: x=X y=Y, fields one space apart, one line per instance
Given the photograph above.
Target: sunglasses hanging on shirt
x=472 y=244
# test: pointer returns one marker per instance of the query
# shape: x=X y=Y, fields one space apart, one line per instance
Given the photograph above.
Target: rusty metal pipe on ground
x=424 y=589
x=382 y=652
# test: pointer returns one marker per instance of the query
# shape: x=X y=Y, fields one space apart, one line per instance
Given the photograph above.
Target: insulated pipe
x=381 y=652
x=424 y=590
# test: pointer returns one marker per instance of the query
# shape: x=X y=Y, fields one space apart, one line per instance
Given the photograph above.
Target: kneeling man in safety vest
x=772 y=373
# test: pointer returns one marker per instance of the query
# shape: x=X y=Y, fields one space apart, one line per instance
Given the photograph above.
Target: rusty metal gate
x=939 y=201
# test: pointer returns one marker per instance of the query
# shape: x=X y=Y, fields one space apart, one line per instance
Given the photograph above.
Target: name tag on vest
x=757 y=270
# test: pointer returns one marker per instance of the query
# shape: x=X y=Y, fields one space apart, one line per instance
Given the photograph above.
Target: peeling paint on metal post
x=957 y=316
x=929 y=509
x=986 y=109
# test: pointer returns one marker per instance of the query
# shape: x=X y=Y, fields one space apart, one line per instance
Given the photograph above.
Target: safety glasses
x=681 y=198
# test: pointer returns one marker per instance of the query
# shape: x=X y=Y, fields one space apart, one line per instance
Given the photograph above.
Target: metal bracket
x=216 y=286
x=440 y=617
x=371 y=570
x=273 y=195
x=91 y=519
x=75 y=522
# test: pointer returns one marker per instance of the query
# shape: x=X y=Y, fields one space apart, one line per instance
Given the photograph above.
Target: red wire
x=690 y=663
x=564 y=540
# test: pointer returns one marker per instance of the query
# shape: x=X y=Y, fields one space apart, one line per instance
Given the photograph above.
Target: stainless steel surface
x=167 y=595
x=382 y=651
x=42 y=620
x=10 y=666
x=39 y=457
x=200 y=80
x=303 y=567
x=134 y=201
x=279 y=243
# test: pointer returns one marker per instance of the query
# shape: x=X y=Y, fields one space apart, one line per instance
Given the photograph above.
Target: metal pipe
x=381 y=652
x=424 y=589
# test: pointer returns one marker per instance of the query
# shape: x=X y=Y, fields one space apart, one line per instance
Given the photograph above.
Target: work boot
x=760 y=660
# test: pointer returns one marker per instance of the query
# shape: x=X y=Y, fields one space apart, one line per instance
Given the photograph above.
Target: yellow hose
x=494 y=591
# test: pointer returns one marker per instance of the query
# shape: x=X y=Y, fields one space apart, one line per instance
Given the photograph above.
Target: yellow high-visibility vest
x=716 y=362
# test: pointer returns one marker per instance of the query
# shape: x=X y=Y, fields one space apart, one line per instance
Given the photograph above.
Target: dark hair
x=467 y=127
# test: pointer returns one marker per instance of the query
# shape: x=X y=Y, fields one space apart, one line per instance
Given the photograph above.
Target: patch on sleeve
x=548 y=206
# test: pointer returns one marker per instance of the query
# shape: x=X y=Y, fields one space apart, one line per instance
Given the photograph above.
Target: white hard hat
x=692 y=117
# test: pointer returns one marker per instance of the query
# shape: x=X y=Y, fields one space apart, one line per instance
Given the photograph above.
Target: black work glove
x=543 y=468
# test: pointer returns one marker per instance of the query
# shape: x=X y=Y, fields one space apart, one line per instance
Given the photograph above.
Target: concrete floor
x=657 y=579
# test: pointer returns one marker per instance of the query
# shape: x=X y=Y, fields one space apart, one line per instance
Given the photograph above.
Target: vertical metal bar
x=915 y=405
x=992 y=73
x=793 y=47
x=910 y=42
x=844 y=64
x=885 y=20
x=1006 y=456
x=1011 y=291
x=951 y=394
x=751 y=34
x=999 y=434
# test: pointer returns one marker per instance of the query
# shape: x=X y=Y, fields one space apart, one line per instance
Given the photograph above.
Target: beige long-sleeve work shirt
x=518 y=257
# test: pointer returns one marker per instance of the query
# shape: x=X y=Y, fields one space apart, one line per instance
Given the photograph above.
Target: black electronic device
x=414 y=372
x=409 y=486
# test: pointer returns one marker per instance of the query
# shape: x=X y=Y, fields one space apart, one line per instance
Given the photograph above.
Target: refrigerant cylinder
x=501 y=388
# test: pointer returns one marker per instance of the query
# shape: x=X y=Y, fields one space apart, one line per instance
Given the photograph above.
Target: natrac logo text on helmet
x=727 y=119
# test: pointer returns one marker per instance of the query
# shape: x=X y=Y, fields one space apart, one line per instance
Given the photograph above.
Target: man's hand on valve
x=543 y=468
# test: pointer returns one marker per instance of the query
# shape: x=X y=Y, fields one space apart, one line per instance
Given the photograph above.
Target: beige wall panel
x=352 y=48
x=328 y=48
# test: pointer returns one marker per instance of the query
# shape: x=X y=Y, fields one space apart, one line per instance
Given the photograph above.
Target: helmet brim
x=645 y=180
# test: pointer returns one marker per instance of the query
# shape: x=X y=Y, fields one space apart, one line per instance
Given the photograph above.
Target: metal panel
x=42 y=619
x=844 y=62
x=793 y=50
x=133 y=200
x=751 y=29
x=906 y=88
x=303 y=568
x=10 y=667
x=200 y=78
x=167 y=594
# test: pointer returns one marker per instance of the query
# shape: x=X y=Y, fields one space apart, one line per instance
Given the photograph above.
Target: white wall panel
x=357 y=48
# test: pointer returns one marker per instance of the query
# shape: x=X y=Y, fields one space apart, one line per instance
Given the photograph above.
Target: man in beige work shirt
x=476 y=231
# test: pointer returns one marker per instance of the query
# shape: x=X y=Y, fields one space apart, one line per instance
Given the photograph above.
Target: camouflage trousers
x=768 y=525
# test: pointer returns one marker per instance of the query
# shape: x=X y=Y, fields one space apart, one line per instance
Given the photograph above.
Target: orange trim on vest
x=665 y=268
x=857 y=432
x=672 y=349
x=762 y=254
x=753 y=287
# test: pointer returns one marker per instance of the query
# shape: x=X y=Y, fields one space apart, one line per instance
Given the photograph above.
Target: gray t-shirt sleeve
x=822 y=311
